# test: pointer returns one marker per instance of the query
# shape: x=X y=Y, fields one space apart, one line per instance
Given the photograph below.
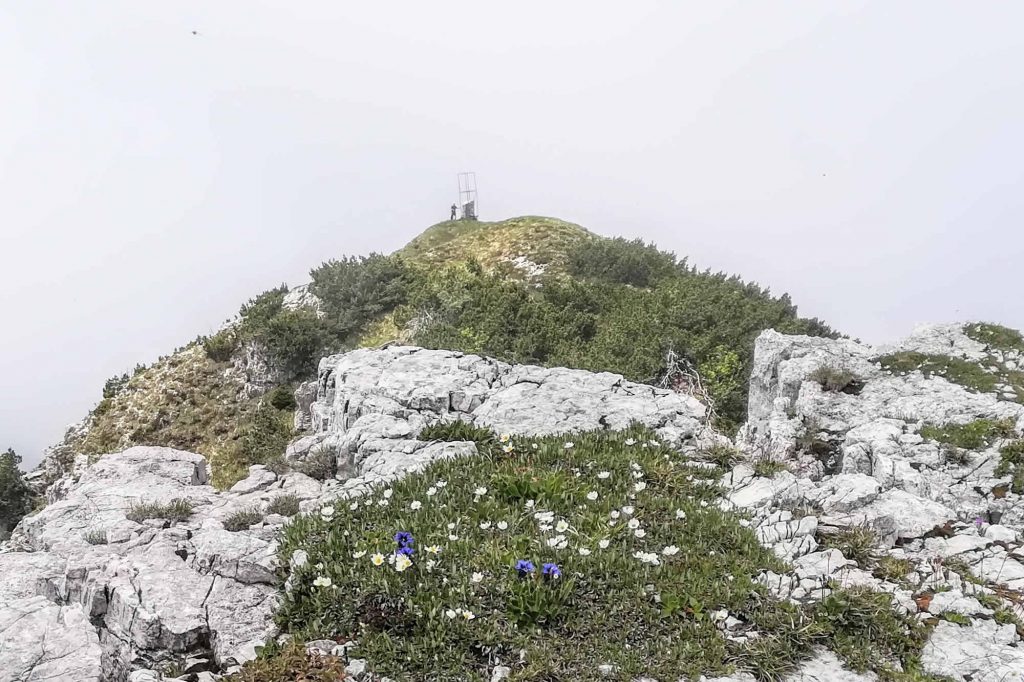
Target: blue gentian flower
x=524 y=568
x=404 y=539
x=407 y=551
x=550 y=570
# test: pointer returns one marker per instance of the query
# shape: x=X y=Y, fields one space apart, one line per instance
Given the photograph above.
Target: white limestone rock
x=982 y=652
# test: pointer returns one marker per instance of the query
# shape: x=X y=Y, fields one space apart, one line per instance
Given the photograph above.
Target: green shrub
x=261 y=438
x=289 y=663
x=243 y=518
x=858 y=543
x=284 y=505
x=282 y=398
x=95 y=537
x=834 y=379
x=357 y=290
x=1012 y=462
x=16 y=498
x=621 y=261
x=976 y=435
x=995 y=335
x=321 y=464
x=221 y=346
x=179 y=509
x=970 y=375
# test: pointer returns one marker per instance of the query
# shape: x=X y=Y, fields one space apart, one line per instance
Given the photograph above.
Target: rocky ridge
x=820 y=466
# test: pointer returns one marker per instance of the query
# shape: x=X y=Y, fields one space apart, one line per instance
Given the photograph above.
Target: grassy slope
x=545 y=241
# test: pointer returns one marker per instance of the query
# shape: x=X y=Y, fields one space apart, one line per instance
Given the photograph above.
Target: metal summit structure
x=467 y=196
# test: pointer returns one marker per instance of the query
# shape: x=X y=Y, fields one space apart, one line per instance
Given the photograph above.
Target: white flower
x=703 y=503
x=530 y=504
x=634 y=524
x=391 y=559
x=453 y=537
x=647 y=557
x=627 y=510
x=558 y=542
x=468 y=615
x=634 y=466
x=502 y=525
x=603 y=474
x=639 y=532
x=477 y=577
x=451 y=614
x=638 y=474
x=383 y=502
x=534 y=446
x=592 y=495
x=639 y=486
x=504 y=438
x=730 y=578
x=561 y=526
x=545 y=517
x=354 y=506
x=603 y=544
x=430 y=565
x=680 y=514
x=584 y=551
x=485 y=525
x=611 y=523
x=415 y=505
x=359 y=555
x=711 y=553
x=479 y=492
x=441 y=484
x=544 y=527
x=615 y=514
x=630 y=441
x=431 y=491
x=402 y=562
x=569 y=445
x=322 y=581
x=377 y=559
x=508 y=449
x=432 y=549
x=745 y=523
x=327 y=512
x=670 y=550
x=451 y=526
x=388 y=493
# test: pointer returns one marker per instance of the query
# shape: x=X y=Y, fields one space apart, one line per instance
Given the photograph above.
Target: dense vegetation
x=15 y=496
x=620 y=306
x=557 y=555
x=583 y=301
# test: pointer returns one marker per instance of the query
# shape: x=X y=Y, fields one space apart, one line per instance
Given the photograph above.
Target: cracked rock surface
x=855 y=462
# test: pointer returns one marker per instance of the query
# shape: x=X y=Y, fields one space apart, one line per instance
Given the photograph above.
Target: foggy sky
x=864 y=157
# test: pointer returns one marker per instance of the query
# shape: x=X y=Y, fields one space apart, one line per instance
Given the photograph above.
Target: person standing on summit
x=455 y=210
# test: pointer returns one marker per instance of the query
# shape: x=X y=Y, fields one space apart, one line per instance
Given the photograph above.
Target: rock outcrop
x=858 y=471
x=109 y=595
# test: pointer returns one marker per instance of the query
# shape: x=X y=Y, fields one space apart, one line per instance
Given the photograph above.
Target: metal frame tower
x=468 y=203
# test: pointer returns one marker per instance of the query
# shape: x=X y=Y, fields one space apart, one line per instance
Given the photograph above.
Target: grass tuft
x=834 y=379
x=284 y=505
x=243 y=518
x=858 y=543
x=179 y=509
